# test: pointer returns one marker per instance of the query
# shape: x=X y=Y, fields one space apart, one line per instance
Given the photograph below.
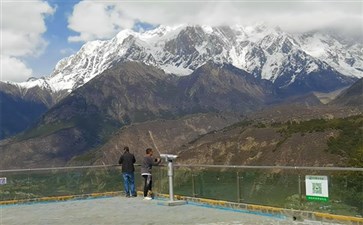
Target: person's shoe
x=134 y=195
x=147 y=198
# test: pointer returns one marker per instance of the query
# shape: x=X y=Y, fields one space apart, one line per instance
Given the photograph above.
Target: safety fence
x=335 y=190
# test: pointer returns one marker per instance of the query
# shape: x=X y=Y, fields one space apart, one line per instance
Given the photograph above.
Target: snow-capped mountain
x=265 y=52
x=344 y=57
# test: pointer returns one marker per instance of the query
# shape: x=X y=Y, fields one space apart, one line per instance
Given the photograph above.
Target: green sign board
x=316 y=188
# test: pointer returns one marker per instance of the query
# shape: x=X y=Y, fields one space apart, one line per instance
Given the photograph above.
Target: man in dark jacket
x=127 y=160
x=146 y=167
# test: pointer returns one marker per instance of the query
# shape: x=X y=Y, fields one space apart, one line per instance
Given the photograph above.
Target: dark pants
x=148 y=184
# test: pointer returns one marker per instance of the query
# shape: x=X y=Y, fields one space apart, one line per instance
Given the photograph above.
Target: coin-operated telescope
x=169 y=158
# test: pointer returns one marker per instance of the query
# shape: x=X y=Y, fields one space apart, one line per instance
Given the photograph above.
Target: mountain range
x=265 y=52
x=79 y=128
x=169 y=73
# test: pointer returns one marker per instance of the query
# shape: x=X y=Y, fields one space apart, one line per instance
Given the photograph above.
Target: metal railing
x=274 y=167
x=279 y=186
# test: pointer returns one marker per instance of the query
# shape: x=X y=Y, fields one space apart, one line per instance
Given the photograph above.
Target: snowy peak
x=33 y=82
x=264 y=52
x=345 y=58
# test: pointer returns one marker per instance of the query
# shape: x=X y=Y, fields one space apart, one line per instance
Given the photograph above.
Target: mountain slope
x=17 y=114
x=69 y=146
x=353 y=96
x=168 y=135
x=88 y=116
x=21 y=108
x=132 y=92
x=317 y=142
x=127 y=91
x=224 y=88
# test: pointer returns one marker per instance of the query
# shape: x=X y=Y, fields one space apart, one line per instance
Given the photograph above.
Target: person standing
x=146 y=168
x=127 y=161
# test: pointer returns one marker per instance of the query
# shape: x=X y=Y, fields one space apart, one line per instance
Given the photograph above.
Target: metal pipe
x=275 y=167
x=56 y=168
x=300 y=191
x=238 y=189
x=200 y=165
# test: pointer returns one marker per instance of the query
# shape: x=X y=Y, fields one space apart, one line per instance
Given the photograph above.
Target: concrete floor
x=121 y=210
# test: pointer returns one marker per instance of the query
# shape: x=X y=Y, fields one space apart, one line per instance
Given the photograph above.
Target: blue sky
x=36 y=34
x=33 y=44
x=56 y=35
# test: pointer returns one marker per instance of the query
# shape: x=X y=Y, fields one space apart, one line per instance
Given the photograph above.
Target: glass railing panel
x=160 y=180
x=17 y=186
x=95 y=180
x=184 y=179
x=31 y=184
x=212 y=183
x=268 y=187
x=48 y=183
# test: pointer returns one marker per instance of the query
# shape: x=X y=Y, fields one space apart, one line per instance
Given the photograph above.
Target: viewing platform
x=122 y=210
x=221 y=195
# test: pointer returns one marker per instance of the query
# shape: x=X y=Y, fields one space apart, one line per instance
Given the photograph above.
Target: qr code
x=317 y=188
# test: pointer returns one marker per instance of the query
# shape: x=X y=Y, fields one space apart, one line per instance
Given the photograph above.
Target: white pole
x=152 y=139
x=170 y=175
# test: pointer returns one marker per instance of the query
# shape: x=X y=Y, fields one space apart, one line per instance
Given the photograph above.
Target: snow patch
x=172 y=69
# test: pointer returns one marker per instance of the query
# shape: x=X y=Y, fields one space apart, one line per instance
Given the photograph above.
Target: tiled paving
x=120 y=210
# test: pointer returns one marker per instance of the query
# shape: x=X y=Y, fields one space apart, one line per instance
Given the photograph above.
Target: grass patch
x=44 y=130
x=242 y=124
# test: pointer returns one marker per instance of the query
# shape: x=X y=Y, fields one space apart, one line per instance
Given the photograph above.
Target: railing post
x=300 y=191
x=193 y=185
x=160 y=180
x=28 y=183
x=238 y=189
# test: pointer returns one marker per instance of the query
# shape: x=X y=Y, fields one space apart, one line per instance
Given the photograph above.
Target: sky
x=36 y=34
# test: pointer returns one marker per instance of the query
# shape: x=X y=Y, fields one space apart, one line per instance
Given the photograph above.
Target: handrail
x=274 y=167
x=198 y=165
x=55 y=168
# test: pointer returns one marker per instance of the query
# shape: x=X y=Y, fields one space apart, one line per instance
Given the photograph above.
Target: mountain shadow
x=17 y=114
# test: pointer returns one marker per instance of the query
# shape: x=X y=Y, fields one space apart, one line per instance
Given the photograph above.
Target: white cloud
x=67 y=51
x=21 y=35
x=95 y=20
x=13 y=69
x=101 y=20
